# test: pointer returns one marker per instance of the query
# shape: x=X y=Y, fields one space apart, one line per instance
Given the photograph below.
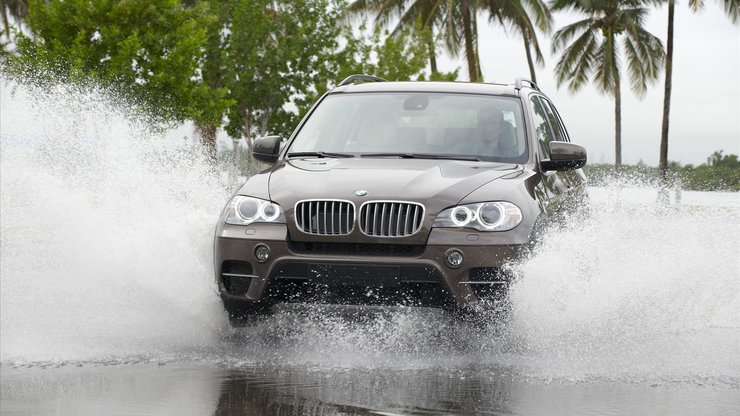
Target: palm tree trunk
x=617 y=123
x=6 y=22
x=207 y=136
x=663 y=164
x=529 y=58
x=469 y=49
x=475 y=43
x=432 y=55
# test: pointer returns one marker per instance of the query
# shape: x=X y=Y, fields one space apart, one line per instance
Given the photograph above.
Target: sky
x=705 y=105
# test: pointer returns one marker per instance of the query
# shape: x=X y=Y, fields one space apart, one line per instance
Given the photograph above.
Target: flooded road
x=108 y=306
x=188 y=388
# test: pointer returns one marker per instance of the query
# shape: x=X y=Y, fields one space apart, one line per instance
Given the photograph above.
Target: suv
x=404 y=193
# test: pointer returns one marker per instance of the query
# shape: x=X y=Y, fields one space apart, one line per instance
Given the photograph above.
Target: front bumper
x=241 y=278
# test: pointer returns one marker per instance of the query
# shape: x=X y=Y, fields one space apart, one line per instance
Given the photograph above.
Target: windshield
x=473 y=127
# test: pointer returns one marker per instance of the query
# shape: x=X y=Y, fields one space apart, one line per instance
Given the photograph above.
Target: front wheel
x=244 y=313
x=493 y=308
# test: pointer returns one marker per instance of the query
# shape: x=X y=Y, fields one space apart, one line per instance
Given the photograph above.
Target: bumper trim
x=247 y=276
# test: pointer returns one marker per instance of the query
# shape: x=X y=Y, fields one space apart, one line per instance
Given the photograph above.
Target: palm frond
x=645 y=57
x=542 y=15
x=426 y=11
x=520 y=20
x=732 y=9
x=451 y=31
x=565 y=34
x=607 y=70
x=388 y=10
x=697 y=5
x=575 y=65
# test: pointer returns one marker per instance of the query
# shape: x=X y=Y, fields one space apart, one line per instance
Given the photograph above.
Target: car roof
x=429 y=86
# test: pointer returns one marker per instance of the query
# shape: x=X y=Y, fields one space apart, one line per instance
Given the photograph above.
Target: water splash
x=637 y=290
x=106 y=232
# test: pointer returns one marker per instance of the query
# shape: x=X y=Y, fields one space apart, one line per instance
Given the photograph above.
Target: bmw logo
x=360 y=192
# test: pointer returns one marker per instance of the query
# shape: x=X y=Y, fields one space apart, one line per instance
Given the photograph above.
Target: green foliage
x=720 y=173
x=11 y=9
x=395 y=58
x=149 y=52
x=277 y=58
x=455 y=20
x=272 y=52
x=708 y=178
x=258 y=64
x=443 y=76
x=718 y=160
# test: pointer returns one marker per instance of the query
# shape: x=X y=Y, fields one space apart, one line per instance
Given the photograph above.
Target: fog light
x=262 y=253
x=454 y=258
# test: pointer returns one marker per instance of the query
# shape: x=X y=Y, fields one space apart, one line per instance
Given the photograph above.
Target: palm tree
x=610 y=29
x=732 y=8
x=17 y=9
x=467 y=12
x=455 y=19
x=517 y=14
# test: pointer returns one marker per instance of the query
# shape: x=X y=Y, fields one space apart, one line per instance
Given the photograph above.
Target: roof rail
x=359 y=78
x=519 y=81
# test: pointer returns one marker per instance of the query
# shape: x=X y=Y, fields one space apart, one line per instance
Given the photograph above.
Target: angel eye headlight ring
x=461 y=216
x=269 y=211
x=491 y=214
x=481 y=216
x=246 y=210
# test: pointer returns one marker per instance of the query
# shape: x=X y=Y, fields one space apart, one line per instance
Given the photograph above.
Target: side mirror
x=564 y=156
x=267 y=149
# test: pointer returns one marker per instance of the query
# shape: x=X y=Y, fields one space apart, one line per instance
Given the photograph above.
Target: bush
x=720 y=173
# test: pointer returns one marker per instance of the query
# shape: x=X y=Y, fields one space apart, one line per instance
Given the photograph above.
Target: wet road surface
x=195 y=388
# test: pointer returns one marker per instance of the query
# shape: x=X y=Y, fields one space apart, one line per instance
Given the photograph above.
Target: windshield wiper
x=319 y=154
x=421 y=156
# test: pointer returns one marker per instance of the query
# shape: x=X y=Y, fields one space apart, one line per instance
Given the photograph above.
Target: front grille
x=357 y=284
x=357 y=274
x=354 y=249
x=390 y=218
x=325 y=217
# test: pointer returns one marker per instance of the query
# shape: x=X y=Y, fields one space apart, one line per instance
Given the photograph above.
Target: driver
x=496 y=136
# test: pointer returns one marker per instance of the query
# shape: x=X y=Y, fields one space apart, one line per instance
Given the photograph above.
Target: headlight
x=245 y=210
x=483 y=216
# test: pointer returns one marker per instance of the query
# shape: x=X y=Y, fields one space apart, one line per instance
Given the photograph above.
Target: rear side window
x=541 y=126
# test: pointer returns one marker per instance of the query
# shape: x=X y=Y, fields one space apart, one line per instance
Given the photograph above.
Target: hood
x=435 y=183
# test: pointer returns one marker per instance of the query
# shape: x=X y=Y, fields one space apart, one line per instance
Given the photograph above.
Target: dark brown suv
x=405 y=193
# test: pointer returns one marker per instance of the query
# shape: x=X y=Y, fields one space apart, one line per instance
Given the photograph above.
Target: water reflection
x=301 y=391
x=204 y=388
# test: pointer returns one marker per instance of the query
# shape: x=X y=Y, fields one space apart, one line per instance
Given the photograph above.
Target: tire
x=242 y=313
x=492 y=310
